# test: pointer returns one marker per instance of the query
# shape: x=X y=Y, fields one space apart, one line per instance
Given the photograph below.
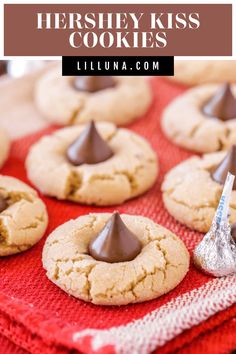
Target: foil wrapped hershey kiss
x=216 y=253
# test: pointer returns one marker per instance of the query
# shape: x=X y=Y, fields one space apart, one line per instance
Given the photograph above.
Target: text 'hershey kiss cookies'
x=23 y=216
x=203 y=119
x=92 y=261
x=73 y=100
x=192 y=189
x=92 y=164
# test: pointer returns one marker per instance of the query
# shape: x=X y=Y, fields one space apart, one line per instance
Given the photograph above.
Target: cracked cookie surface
x=190 y=194
x=196 y=72
x=61 y=103
x=131 y=171
x=186 y=125
x=24 y=221
x=161 y=265
x=4 y=146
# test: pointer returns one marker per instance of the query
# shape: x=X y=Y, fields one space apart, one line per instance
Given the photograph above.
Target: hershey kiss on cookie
x=3 y=204
x=115 y=242
x=89 y=148
x=228 y=164
x=93 y=83
x=222 y=105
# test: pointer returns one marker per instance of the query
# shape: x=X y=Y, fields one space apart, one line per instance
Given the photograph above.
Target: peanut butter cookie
x=101 y=165
x=196 y=72
x=23 y=216
x=72 y=100
x=192 y=189
x=203 y=119
x=154 y=269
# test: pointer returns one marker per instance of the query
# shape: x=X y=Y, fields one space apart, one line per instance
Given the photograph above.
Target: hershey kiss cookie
x=4 y=146
x=203 y=119
x=192 y=189
x=101 y=165
x=196 y=72
x=23 y=216
x=112 y=259
x=73 y=100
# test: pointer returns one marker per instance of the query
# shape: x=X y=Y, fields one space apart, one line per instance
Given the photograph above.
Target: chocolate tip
x=115 y=242
x=222 y=104
x=89 y=147
x=228 y=164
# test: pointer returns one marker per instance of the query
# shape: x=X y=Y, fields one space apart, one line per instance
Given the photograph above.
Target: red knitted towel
x=40 y=317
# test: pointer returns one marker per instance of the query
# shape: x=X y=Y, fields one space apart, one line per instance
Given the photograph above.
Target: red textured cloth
x=8 y=347
x=39 y=317
x=220 y=340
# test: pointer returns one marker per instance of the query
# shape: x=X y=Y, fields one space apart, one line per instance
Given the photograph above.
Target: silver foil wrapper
x=216 y=253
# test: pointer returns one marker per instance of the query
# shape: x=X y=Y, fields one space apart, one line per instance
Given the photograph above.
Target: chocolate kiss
x=3 y=204
x=233 y=231
x=93 y=83
x=89 y=148
x=115 y=243
x=228 y=164
x=222 y=105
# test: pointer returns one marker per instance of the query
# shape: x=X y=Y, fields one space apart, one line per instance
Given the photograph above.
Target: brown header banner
x=117 y=29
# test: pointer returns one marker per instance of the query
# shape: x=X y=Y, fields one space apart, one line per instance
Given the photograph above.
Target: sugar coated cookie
x=23 y=216
x=72 y=100
x=192 y=190
x=101 y=165
x=112 y=259
x=203 y=119
x=196 y=72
